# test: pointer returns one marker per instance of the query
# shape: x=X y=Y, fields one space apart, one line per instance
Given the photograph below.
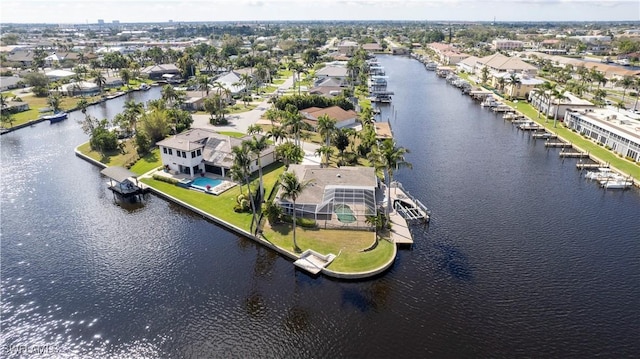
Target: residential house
x=521 y=88
x=15 y=107
x=231 y=82
x=340 y=197
x=555 y=106
x=198 y=150
x=327 y=87
x=337 y=72
x=347 y=47
x=499 y=63
x=372 y=47
x=79 y=88
x=343 y=118
x=55 y=75
x=156 y=72
x=9 y=82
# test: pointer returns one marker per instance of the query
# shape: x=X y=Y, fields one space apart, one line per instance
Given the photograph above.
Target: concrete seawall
x=244 y=233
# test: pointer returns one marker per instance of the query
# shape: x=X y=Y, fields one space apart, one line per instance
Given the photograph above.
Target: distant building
x=100 y=22
x=505 y=44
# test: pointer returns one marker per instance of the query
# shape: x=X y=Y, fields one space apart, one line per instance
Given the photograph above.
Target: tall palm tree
x=276 y=133
x=125 y=75
x=169 y=94
x=203 y=84
x=326 y=127
x=636 y=87
x=99 y=79
x=242 y=161
x=254 y=129
x=391 y=158
x=625 y=83
x=558 y=95
x=257 y=145
x=292 y=187
x=294 y=122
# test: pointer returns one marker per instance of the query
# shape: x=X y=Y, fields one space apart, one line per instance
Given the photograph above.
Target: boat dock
x=404 y=208
x=313 y=262
x=558 y=144
x=573 y=154
x=544 y=135
x=585 y=166
x=529 y=127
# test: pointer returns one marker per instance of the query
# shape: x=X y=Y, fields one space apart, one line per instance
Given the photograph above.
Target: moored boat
x=144 y=87
x=56 y=117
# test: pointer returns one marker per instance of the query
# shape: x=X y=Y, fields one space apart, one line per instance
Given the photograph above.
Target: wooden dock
x=558 y=144
x=574 y=154
x=404 y=208
x=544 y=135
x=585 y=166
x=530 y=127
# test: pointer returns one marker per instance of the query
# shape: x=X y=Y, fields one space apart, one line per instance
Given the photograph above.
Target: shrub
x=170 y=180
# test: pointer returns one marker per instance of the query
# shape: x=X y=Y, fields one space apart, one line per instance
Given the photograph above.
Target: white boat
x=489 y=102
x=602 y=174
x=144 y=87
x=616 y=184
x=431 y=66
x=56 y=117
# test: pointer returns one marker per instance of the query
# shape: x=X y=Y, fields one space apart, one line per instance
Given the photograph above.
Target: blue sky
x=89 y=11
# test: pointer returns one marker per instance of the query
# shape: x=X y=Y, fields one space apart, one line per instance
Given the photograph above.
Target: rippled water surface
x=523 y=257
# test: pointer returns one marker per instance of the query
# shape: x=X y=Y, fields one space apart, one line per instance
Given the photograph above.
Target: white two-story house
x=197 y=151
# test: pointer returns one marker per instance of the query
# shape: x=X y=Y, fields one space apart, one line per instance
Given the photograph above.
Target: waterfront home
x=343 y=118
x=327 y=87
x=15 y=107
x=337 y=72
x=78 y=88
x=555 y=106
x=499 y=63
x=614 y=129
x=336 y=197
x=156 y=72
x=347 y=47
x=198 y=150
x=55 y=75
x=520 y=89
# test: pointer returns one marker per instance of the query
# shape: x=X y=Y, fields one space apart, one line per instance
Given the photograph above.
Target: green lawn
x=220 y=206
x=240 y=108
x=147 y=163
x=278 y=81
x=37 y=103
x=233 y=134
x=128 y=158
x=348 y=243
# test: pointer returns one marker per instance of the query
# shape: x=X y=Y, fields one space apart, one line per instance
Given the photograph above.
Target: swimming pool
x=344 y=213
x=202 y=182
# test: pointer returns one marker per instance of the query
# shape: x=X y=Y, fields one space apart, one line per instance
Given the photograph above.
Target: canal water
x=523 y=257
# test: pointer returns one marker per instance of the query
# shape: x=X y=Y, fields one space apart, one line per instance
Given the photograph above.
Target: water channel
x=523 y=257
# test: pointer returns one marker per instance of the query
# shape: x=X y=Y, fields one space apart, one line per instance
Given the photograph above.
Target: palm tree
x=257 y=145
x=484 y=75
x=169 y=94
x=294 y=121
x=558 y=96
x=203 y=83
x=254 y=129
x=625 y=83
x=326 y=127
x=325 y=153
x=391 y=158
x=277 y=133
x=636 y=87
x=292 y=187
x=514 y=81
x=125 y=75
x=99 y=79
x=242 y=161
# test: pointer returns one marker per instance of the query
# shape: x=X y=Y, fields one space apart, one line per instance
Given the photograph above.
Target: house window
x=184 y=154
x=164 y=149
x=198 y=152
x=170 y=152
x=193 y=154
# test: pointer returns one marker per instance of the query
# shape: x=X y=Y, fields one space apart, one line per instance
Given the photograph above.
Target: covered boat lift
x=123 y=182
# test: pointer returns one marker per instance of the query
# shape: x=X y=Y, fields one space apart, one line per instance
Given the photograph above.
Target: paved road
x=241 y=121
